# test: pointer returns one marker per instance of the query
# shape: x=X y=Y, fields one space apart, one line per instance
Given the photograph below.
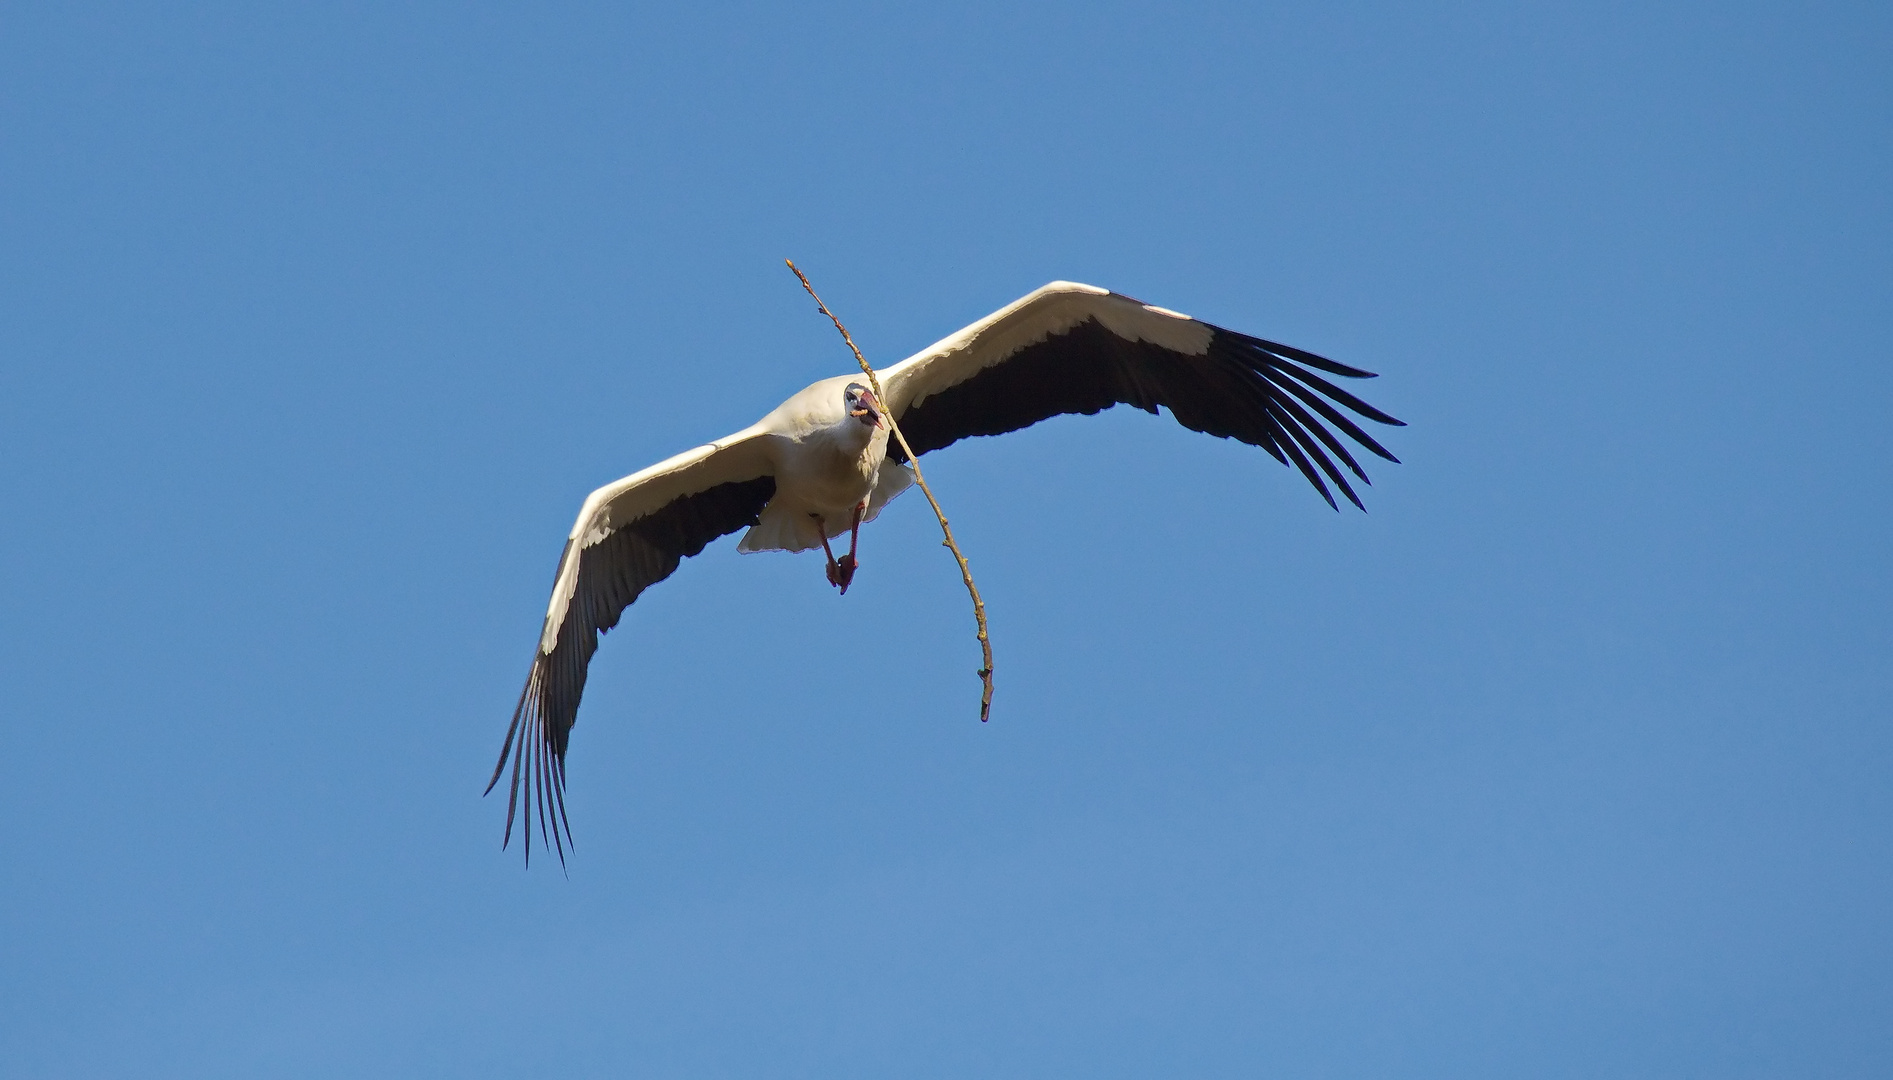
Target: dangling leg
x=847 y=564
x=834 y=568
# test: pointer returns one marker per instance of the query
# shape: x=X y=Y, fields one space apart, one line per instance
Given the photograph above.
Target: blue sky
x=1571 y=757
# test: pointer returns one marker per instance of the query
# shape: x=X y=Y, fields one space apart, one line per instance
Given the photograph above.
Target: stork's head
x=862 y=405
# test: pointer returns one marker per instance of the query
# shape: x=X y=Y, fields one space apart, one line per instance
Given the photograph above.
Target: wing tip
x=541 y=765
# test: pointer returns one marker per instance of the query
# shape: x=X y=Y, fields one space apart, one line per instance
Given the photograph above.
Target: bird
x=820 y=465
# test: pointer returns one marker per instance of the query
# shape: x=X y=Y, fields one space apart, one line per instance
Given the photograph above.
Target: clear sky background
x=1570 y=758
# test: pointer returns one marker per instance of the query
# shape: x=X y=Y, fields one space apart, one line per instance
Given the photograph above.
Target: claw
x=841 y=574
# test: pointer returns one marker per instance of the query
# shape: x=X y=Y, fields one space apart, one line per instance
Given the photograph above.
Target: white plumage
x=825 y=464
x=819 y=465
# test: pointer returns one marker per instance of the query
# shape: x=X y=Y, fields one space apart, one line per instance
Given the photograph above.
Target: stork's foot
x=841 y=572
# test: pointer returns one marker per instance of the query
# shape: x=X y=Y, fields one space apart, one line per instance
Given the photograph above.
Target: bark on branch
x=966 y=573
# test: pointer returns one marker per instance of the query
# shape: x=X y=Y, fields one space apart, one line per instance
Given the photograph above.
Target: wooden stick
x=913 y=459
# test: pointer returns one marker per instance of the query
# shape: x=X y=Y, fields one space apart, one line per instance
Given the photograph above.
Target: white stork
x=820 y=465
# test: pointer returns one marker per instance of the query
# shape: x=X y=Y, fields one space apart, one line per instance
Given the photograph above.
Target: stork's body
x=819 y=465
x=829 y=450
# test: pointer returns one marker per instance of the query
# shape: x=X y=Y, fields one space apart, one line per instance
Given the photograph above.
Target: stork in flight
x=820 y=465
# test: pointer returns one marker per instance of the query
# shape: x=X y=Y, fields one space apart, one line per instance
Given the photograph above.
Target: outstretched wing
x=1070 y=348
x=629 y=536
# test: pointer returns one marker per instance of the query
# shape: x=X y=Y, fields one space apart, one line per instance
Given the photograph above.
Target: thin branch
x=913 y=459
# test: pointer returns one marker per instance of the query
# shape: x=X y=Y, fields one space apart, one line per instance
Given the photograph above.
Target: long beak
x=869 y=408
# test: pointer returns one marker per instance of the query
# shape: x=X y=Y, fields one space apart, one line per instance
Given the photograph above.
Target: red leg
x=834 y=568
x=847 y=563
